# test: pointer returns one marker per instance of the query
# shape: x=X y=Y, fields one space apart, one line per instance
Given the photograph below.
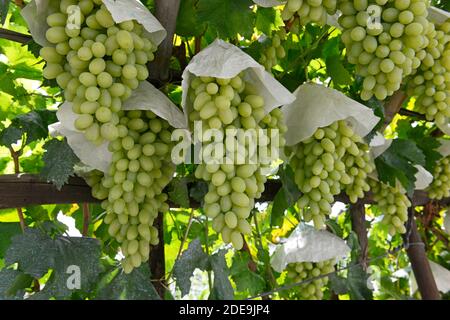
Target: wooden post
x=358 y=216
x=166 y=13
x=420 y=265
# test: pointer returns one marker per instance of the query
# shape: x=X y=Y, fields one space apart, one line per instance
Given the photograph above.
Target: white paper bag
x=35 y=14
x=306 y=244
x=145 y=97
x=317 y=106
x=224 y=60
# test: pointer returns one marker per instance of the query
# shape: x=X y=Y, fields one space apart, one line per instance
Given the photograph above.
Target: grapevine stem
x=86 y=219
x=207 y=252
x=15 y=155
x=183 y=241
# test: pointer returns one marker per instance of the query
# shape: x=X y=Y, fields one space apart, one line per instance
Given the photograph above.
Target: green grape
x=233 y=186
x=274 y=51
x=309 y=11
x=334 y=158
x=132 y=191
x=393 y=203
x=97 y=55
x=303 y=271
x=387 y=45
x=440 y=187
x=431 y=83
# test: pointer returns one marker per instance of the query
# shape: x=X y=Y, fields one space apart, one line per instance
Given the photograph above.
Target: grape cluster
x=97 y=62
x=359 y=167
x=431 y=84
x=275 y=51
x=440 y=187
x=333 y=157
x=297 y=272
x=309 y=11
x=394 y=203
x=234 y=179
x=132 y=189
x=385 y=39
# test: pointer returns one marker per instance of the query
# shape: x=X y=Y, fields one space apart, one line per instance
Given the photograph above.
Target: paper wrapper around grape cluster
x=317 y=106
x=306 y=244
x=36 y=12
x=145 y=97
x=224 y=60
x=380 y=144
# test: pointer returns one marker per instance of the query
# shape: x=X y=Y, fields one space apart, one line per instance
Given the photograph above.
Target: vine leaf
x=398 y=161
x=285 y=197
x=4 y=5
x=36 y=253
x=59 y=162
x=188 y=23
x=33 y=125
x=355 y=284
x=420 y=135
x=12 y=284
x=227 y=18
x=179 y=193
x=222 y=289
x=336 y=69
x=7 y=230
x=184 y=267
x=267 y=20
x=245 y=279
x=133 y=286
x=194 y=257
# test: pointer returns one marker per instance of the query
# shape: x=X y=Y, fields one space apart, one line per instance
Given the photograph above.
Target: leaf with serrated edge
x=59 y=162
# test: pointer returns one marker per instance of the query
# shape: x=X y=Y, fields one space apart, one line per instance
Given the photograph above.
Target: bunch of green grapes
x=440 y=187
x=132 y=189
x=333 y=157
x=309 y=11
x=98 y=63
x=431 y=84
x=275 y=51
x=393 y=203
x=385 y=40
x=234 y=178
x=297 y=272
x=358 y=168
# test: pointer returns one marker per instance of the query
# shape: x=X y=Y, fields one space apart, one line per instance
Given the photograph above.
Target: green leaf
x=188 y=23
x=222 y=289
x=409 y=150
x=4 y=5
x=8 y=278
x=398 y=161
x=184 y=267
x=245 y=279
x=59 y=162
x=10 y=136
x=179 y=192
x=267 y=20
x=289 y=186
x=420 y=135
x=227 y=18
x=336 y=70
x=198 y=191
x=355 y=284
x=34 y=48
x=279 y=206
x=33 y=250
x=133 y=286
x=7 y=230
x=36 y=253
